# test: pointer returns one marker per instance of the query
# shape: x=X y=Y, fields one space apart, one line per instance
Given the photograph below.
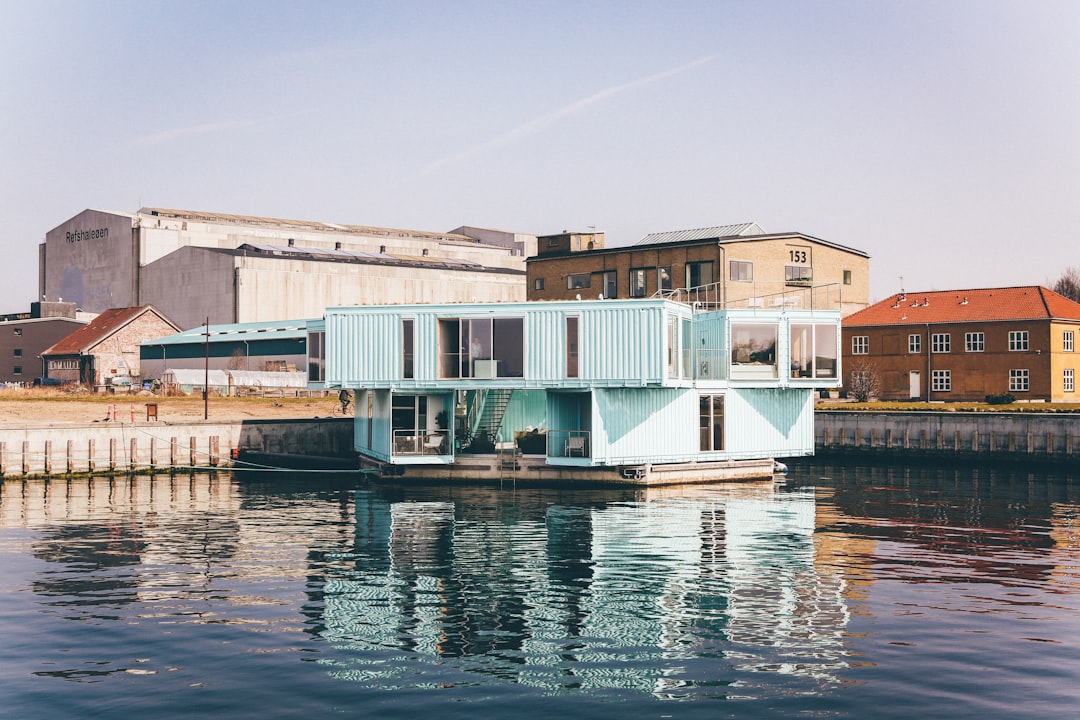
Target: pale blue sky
x=940 y=137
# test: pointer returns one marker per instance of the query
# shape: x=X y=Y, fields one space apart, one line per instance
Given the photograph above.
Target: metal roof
x=709 y=233
x=237 y=332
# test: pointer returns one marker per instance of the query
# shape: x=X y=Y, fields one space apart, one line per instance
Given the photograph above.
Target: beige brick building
x=732 y=266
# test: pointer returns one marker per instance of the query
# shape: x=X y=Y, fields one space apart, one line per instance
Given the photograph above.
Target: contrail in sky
x=545 y=121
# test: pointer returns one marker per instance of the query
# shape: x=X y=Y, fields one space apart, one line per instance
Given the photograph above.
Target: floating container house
x=649 y=391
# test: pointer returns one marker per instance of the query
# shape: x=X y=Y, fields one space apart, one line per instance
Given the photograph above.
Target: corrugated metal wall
x=772 y=421
x=654 y=425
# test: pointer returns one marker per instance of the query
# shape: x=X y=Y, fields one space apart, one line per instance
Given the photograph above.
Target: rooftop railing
x=759 y=296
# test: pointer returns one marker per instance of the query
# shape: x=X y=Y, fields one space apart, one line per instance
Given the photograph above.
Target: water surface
x=845 y=592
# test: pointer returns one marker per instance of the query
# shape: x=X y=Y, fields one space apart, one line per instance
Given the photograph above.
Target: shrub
x=1000 y=399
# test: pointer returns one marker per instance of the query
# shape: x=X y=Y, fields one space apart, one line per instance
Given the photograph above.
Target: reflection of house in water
x=545 y=598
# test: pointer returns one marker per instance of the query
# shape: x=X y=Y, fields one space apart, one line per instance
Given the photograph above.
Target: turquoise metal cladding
x=769 y=421
x=632 y=426
x=527 y=409
x=621 y=343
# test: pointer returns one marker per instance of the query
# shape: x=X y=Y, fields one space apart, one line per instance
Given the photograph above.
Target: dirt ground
x=25 y=407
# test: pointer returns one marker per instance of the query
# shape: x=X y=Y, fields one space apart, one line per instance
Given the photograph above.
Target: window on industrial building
x=578 y=281
x=637 y=282
x=17 y=370
x=316 y=356
x=741 y=271
x=753 y=350
x=975 y=342
x=860 y=345
x=1018 y=380
x=408 y=343
x=17 y=352
x=1068 y=341
x=941 y=380
x=798 y=275
x=485 y=348
x=847 y=277
x=572 y=340
x=813 y=350
x=663 y=278
x=1018 y=340
x=941 y=343
x=538 y=284
x=699 y=274
x=610 y=282
x=711 y=422
x=1069 y=379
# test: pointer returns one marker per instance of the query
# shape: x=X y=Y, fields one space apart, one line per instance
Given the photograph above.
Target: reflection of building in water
x=551 y=599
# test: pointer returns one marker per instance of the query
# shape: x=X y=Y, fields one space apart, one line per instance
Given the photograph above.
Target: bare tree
x=1068 y=284
x=864 y=381
x=238 y=361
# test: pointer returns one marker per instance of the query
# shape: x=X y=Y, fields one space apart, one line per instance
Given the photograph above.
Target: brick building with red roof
x=967 y=344
x=106 y=350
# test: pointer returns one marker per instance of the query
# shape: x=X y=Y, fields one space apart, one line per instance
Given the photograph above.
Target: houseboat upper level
x=575 y=344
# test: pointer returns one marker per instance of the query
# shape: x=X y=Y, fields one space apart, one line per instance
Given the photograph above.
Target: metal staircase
x=489 y=409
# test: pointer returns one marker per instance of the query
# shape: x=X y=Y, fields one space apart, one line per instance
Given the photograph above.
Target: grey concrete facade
x=229 y=268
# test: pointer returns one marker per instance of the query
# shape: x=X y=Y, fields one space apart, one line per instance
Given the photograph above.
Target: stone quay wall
x=118 y=447
x=1042 y=437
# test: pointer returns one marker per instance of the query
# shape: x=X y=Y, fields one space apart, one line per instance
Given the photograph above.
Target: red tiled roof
x=1032 y=302
x=96 y=330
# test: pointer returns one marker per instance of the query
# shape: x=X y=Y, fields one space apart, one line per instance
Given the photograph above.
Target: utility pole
x=206 y=374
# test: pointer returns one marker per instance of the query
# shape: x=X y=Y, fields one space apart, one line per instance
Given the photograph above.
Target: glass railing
x=419 y=442
x=569 y=443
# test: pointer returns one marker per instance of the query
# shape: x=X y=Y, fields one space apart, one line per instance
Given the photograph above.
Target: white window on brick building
x=1019 y=381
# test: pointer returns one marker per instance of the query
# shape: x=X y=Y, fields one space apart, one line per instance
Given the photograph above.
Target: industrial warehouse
x=198 y=267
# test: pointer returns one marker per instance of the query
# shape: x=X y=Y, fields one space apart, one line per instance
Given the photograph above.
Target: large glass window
x=578 y=281
x=638 y=285
x=799 y=275
x=572 y=340
x=407 y=340
x=753 y=350
x=663 y=278
x=481 y=348
x=610 y=282
x=699 y=273
x=741 y=271
x=711 y=422
x=813 y=350
x=1018 y=340
x=315 y=356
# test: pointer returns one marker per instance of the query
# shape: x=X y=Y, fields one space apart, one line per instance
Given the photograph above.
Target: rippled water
x=846 y=592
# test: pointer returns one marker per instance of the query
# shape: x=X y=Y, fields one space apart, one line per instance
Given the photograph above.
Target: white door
x=914 y=385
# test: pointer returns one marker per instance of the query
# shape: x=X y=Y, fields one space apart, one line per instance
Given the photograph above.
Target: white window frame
x=975 y=342
x=1019 y=380
x=941 y=343
x=941 y=381
x=860 y=344
x=914 y=344
x=1018 y=340
x=1068 y=341
x=1070 y=380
